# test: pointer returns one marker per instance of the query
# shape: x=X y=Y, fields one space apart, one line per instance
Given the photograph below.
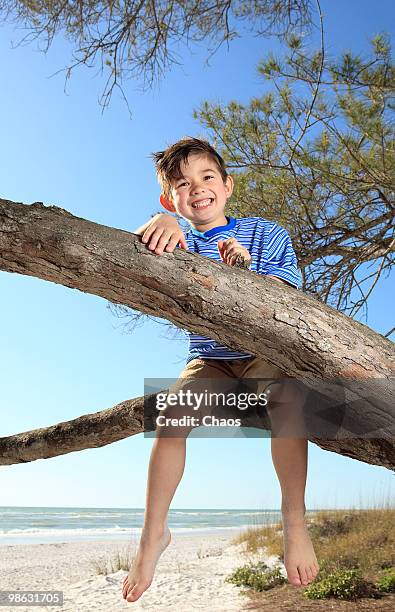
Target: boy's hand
x=233 y=253
x=164 y=234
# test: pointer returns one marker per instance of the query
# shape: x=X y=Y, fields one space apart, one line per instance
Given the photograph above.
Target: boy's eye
x=207 y=176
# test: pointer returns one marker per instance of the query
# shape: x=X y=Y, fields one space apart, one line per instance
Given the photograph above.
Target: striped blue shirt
x=271 y=251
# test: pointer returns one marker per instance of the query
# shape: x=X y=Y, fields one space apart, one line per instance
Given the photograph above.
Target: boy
x=196 y=186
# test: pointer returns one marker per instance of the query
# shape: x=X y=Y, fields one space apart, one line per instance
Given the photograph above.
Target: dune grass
x=358 y=540
x=120 y=560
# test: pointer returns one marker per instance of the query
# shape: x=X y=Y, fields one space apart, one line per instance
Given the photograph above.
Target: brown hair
x=168 y=162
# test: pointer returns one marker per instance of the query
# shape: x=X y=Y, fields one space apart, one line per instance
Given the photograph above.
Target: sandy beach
x=190 y=574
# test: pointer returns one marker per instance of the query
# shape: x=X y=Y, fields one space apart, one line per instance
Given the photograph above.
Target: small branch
x=317 y=87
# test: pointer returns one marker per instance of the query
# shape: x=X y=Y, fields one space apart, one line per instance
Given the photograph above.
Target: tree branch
x=304 y=337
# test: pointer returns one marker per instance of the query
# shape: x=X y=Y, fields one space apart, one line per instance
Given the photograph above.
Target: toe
x=314 y=571
x=309 y=573
x=135 y=593
x=296 y=581
x=293 y=577
x=126 y=588
x=303 y=575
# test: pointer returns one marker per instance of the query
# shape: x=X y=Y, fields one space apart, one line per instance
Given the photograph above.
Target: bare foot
x=299 y=556
x=152 y=544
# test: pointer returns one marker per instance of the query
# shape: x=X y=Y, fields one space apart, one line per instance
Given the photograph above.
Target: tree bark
x=304 y=337
x=129 y=418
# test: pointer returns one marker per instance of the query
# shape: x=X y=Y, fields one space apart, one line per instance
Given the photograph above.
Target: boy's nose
x=197 y=189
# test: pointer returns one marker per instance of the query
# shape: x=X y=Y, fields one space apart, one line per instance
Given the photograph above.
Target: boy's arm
x=162 y=233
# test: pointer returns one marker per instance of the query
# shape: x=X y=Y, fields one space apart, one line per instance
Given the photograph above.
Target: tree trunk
x=304 y=337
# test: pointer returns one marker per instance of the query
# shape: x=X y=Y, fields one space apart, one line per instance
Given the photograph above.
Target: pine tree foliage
x=316 y=152
x=144 y=38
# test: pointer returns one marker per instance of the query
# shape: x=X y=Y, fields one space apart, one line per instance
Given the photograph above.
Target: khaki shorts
x=253 y=375
x=253 y=367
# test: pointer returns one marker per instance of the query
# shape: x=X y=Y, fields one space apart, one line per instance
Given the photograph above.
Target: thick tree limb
x=301 y=335
x=87 y=431
x=127 y=419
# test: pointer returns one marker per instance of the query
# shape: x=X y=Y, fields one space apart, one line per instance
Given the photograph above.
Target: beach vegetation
x=120 y=560
x=386 y=582
x=341 y=583
x=355 y=549
x=257 y=576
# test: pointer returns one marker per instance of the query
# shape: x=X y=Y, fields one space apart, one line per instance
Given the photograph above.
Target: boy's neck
x=205 y=227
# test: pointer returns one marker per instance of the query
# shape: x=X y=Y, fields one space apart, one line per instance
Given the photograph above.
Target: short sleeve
x=280 y=259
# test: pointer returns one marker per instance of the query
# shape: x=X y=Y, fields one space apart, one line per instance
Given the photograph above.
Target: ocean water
x=29 y=525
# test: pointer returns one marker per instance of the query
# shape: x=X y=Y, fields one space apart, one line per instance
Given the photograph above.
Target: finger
x=228 y=255
x=164 y=239
x=233 y=250
x=222 y=256
x=172 y=243
x=222 y=252
x=237 y=248
x=154 y=238
x=227 y=243
x=148 y=233
x=228 y=258
x=183 y=243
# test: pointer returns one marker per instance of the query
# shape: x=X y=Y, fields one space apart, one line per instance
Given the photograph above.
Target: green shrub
x=341 y=583
x=259 y=577
x=386 y=582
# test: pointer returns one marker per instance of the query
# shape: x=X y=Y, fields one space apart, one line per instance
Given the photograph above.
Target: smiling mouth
x=202 y=203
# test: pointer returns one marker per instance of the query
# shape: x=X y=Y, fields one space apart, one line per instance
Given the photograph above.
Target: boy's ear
x=229 y=185
x=167 y=203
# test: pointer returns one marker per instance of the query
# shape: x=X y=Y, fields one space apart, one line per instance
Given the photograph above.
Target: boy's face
x=200 y=196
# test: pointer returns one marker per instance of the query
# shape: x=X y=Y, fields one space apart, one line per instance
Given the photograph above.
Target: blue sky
x=62 y=352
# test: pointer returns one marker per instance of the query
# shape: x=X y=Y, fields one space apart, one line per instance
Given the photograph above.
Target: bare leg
x=165 y=471
x=289 y=454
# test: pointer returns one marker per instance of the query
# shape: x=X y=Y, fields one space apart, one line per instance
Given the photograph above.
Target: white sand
x=190 y=574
